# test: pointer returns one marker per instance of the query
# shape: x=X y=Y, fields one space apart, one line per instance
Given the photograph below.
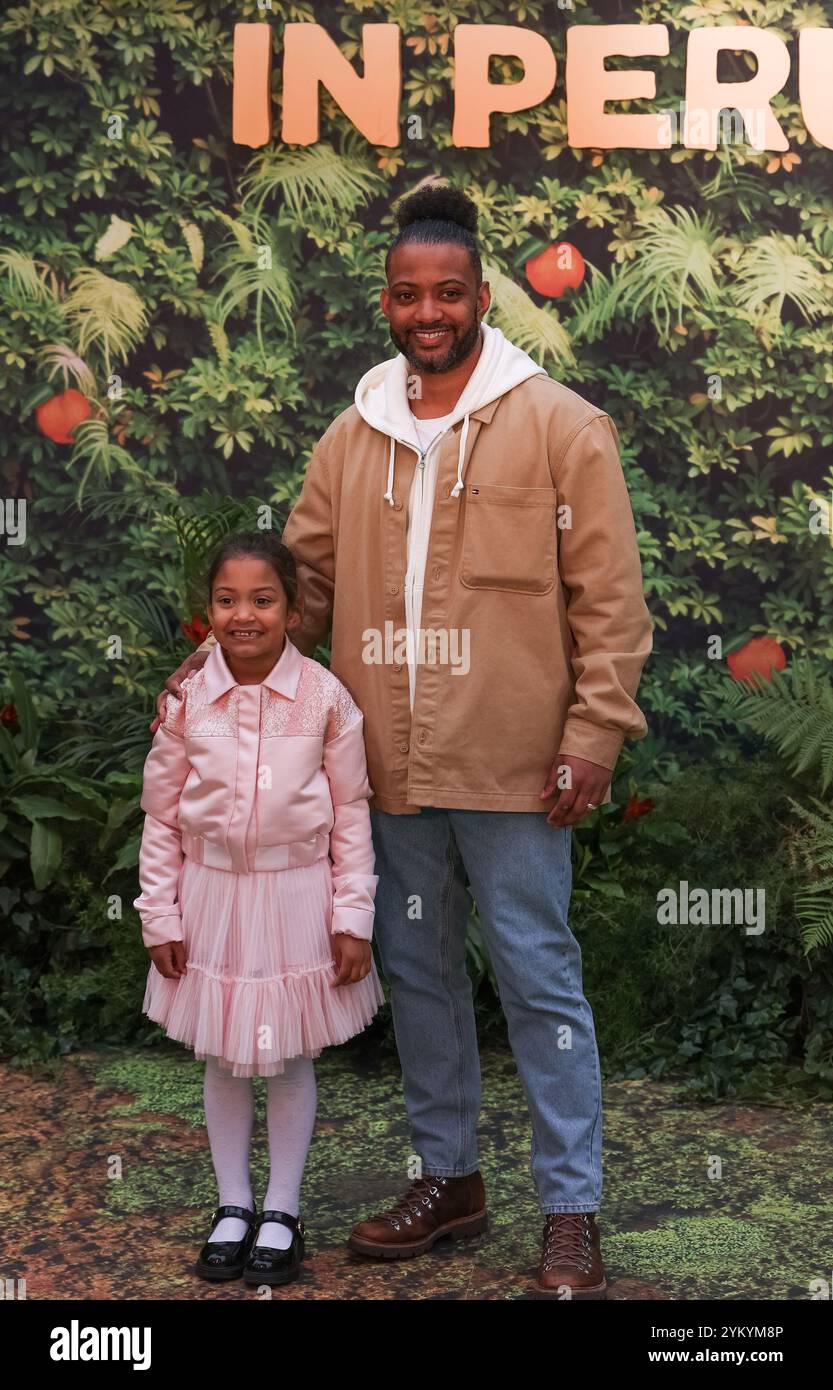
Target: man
x=467 y=498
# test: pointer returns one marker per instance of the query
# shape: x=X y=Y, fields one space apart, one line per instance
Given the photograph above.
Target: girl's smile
x=250 y=615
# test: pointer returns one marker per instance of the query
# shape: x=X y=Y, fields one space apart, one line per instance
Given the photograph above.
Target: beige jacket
x=532 y=589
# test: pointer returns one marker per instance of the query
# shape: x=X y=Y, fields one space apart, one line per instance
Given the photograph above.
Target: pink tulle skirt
x=257 y=989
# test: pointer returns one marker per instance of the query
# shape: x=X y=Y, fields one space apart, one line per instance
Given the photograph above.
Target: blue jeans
x=520 y=875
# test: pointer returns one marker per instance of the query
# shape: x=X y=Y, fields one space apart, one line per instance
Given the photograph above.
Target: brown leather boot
x=571 y=1258
x=432 y=1207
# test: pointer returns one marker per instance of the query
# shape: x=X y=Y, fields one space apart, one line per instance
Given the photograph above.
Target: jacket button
x=393 y=589
x=437 y=573
x=397 y=506
x=403 y=747
x=397 y=668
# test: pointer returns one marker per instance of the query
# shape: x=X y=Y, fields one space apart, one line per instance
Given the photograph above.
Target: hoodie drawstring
x=461 y=453
x=389 y=493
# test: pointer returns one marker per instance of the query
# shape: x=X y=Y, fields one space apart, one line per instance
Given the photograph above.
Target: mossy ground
x=107 y=1186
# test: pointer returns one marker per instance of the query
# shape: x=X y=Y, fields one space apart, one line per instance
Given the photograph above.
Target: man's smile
x=427 y=337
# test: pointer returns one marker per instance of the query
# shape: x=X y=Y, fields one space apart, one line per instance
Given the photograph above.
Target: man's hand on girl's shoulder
x=173 y=685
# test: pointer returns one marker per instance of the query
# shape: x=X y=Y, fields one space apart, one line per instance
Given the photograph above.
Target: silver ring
x=591 y=806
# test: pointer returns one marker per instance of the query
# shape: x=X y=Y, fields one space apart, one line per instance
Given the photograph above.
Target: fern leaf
x=316 y=179
x=814 y=902
x=773 y=269
x=106 y=313
x=22 y=273
x=795 y=712
x=60 y=357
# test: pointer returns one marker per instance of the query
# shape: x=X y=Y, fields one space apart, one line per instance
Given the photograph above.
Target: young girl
x=258 y=886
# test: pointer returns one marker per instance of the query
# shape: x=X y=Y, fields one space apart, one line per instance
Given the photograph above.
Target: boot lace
x=567 y=1240
x=415 y=1202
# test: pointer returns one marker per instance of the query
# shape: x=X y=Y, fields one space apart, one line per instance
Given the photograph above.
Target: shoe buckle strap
x=281 y=1218
x=231 y=1209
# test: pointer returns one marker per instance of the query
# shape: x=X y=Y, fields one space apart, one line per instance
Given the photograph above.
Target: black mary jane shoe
x=226 y=1259
x=267 y=1265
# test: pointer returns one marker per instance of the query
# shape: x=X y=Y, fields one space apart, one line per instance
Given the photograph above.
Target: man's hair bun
x=437 y=203
x=434 y=214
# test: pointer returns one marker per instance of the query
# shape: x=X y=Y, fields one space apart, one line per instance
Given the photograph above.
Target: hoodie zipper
x=421 y=466
x=423 y=453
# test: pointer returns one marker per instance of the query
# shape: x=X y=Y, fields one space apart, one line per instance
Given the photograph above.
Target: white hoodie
x=382 y=400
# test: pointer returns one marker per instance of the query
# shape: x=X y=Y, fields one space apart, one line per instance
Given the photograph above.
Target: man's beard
x=460 y=349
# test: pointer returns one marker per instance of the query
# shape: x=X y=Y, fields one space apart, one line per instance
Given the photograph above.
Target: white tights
x=229 y=1117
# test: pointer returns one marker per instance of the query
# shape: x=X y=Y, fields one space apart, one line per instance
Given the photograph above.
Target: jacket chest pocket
x=509 y=538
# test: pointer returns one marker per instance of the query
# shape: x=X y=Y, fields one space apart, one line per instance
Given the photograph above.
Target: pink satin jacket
x=252 y=777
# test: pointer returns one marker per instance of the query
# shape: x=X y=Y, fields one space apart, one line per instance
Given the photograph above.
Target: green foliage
x=739 y=1014
x=71 y=973
x=794 y=710
x=216 y=306
x=38 y=798
x=200 y=526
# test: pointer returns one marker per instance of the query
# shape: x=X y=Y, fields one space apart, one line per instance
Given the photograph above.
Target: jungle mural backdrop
x=163 y=381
